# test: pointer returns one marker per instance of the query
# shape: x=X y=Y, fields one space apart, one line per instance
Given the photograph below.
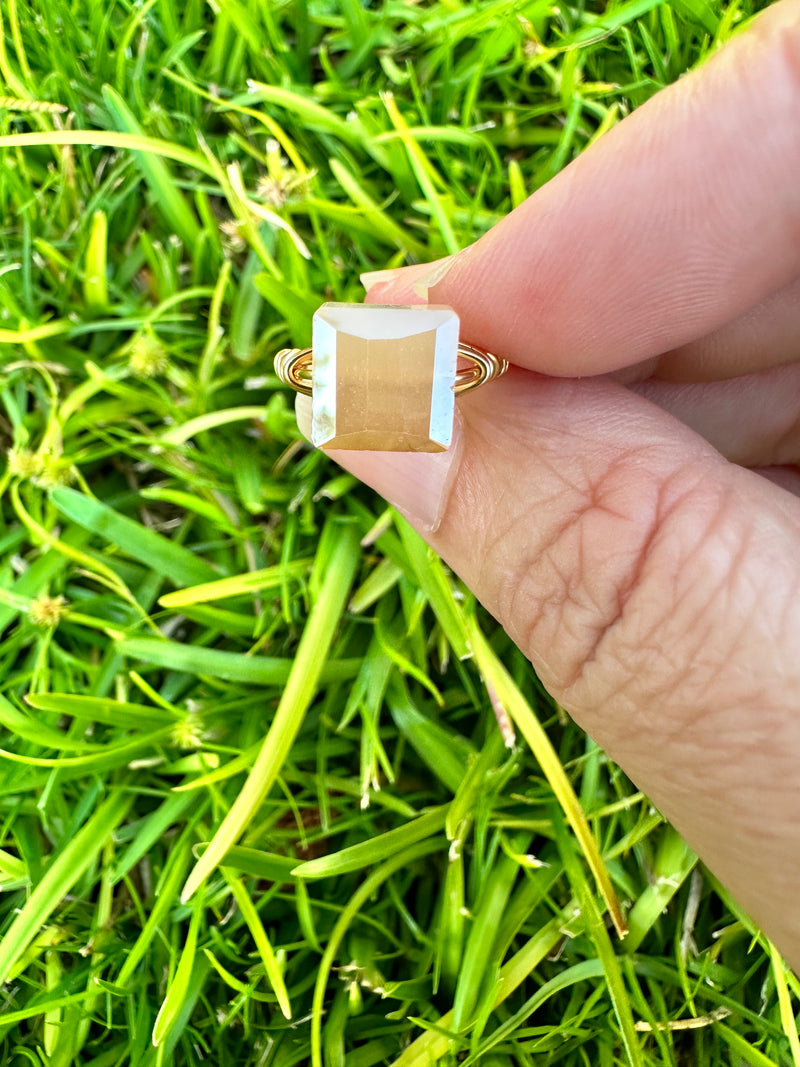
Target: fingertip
x=405 y=285
x=418 y=484
x=302 y=411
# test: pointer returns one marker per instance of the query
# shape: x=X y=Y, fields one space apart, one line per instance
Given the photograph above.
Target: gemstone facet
x=383 y=377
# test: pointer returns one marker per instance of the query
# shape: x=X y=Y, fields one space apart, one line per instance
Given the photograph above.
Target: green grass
x=255 y=808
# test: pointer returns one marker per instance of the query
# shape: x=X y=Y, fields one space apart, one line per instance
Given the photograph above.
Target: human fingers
x=753 y=420
x=654 y=587
x=787 y=478
x=675 y=222
x=766 y=335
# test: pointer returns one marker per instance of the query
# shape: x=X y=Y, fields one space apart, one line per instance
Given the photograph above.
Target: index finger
x=679 y=219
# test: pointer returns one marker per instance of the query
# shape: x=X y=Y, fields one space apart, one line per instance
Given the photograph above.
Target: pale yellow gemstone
x=383 y=377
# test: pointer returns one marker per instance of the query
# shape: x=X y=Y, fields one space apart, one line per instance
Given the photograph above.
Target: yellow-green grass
x=255 y=805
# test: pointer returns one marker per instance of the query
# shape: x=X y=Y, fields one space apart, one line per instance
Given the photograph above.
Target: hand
x=625 y=502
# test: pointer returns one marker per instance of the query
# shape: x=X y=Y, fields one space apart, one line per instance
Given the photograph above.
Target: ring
x=293 y=367
x=384 y=378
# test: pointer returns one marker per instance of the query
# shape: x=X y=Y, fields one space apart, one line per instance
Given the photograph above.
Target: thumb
x=653 y=586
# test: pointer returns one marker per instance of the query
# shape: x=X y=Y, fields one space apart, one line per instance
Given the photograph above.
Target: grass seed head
x=55 y=471
x=147 y=357
x=232 y=235
x=23 y=463
x=189 y=732
x=47 y=611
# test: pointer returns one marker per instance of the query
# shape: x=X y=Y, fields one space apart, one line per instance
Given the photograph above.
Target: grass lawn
x=255 y=807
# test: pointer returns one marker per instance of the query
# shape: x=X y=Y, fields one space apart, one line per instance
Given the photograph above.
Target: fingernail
x=374 y=277
x=430 y=278
x=405 y=284
x=418 y=484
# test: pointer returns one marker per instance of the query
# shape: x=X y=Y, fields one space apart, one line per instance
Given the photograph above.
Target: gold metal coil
x=293 y=367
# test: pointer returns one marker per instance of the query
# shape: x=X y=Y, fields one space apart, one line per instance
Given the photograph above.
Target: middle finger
x=753 y=420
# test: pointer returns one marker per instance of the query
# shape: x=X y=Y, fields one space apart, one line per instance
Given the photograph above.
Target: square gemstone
x=383 y=377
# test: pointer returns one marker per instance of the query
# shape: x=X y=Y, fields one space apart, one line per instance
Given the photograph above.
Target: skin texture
x=625 y=500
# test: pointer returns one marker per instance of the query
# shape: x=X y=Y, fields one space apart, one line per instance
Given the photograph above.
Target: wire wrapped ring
x=293 y=367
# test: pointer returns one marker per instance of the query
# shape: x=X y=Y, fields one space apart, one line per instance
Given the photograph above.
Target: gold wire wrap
x=293 y=367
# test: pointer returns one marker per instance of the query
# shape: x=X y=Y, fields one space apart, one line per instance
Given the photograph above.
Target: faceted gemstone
x=383 y=377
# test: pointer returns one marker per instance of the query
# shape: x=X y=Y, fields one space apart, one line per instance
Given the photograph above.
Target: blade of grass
x=39 y=733
x=179 y=435
x=301 y=685
x=788 y=1020
x=239 y=585
x=165 y=899
x=61 y=875
x=42 y=1007
x=479 y=962
x=167 y=198
x=423 y=172
x=95 y=287
x=429 y=572
x=101 y=709
x=232 y=666
x=376 y=849
x=254 y=924
x=165 y=557
x=596 y=930
x=529 y=726
x=135 y=142
x=101 y=757
x=673 y=864
x=269 y=866
x=435 y=1043
x=312 y=114
x=178 y=989
x=350 y=911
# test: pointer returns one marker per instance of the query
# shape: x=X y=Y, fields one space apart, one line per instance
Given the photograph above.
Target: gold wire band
x=293 y=367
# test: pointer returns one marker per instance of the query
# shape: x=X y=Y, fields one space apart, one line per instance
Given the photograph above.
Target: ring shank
x=293 y=367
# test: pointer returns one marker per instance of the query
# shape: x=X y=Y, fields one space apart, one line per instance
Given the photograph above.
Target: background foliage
x=181 y=185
